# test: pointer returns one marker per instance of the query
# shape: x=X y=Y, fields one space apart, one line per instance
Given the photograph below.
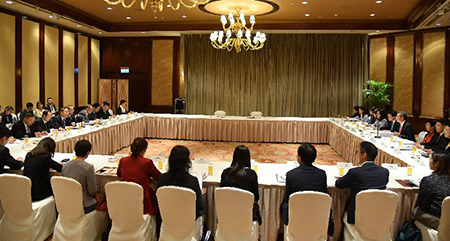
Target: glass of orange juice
x=392 y=138
x=160 y=164
x=409 y=170
x=26 y=140
x=210 y=169
x=414 y=149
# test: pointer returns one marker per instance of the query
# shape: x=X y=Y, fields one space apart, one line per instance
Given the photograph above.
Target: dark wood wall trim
x=18 y=83
x=75 y=76
x=390 y=63
x=417 y=74
x=176 y=68
x=447 y=70
x=89 y=78
x=422 y=11
x=60 y=68
x=42 y=62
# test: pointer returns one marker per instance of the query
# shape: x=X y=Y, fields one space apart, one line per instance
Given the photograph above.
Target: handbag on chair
x=409 y=232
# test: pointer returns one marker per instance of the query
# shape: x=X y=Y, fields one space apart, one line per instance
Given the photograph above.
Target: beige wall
x=378 y=53
x=68 y=68
x=82 y=70
x=51 y=63
x=95 y=70
x=433 y=74
x=30 y=62
x=403 y=73
x=7 y=60
x=162 y=72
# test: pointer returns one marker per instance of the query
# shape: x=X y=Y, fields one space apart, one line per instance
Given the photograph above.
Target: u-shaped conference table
x=343 y=137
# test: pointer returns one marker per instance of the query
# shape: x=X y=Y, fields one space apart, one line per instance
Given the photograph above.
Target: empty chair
x=177 y=207
x=220 y=113
x=126 y=207
x=309 y=214
x=443 y=232
x=256 y=114
x=422 y=135
x=235 y=214
x=375 y=211
x=22 y=219
x=72 y=223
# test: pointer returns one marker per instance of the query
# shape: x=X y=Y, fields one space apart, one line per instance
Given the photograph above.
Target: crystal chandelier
x=156 y=5
x=237 y=28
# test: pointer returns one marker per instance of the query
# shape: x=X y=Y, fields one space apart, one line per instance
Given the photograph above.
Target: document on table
x=281 y=178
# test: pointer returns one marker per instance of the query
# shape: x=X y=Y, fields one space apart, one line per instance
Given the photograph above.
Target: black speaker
x=180 y=106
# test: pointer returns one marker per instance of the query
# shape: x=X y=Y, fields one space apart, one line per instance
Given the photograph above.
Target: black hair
x=95 y=105
x=179 y=163
x=45 y=146
x=382 y=114
x=122 y=101
x=139 y=144
x=45 y=112
x=5 y=132
x=369 y=149
x=307 y=153
x=443 y=122
x=106 y=102
x=49 y=98
x=9 y=108
x=87 y=106
x=356 y=107
x=393 y=113
x=62 y=109
x=432 y=122
x=442 y=158
x=241 y=160
x=82 y=148
x=29 y=104
x=27 y=115
x=38 y=103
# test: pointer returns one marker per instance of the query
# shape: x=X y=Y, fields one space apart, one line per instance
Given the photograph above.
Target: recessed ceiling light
x=9 y=2
x=162 y=17
x=378 y=31
x=155 y=17
x=110 y=8
x=128 y=17
x=99 y=32
x=51 y=16
x=307 y=14
x=304 y=2
x=24 y=17
x=78 y=26
x=184 y=16
x=372 y=14
x=320 y=16
x=143 y=32
x=379 y=1
x=438 y=24
x=291 y=4
x=168 y=5
x=336 y=15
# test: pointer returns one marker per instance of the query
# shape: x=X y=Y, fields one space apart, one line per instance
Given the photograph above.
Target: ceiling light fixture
x=128 y=17
x=372 y=14
x=304 y=2
x=50 y=16
x=184 y=16
x=307 y=14
x=379 y=1
x=78 y=26
x=378 y=31
x=109 y=8
x=237 y=34
x=438 y=24
x=158 y=5
x=336 y=15
x=142 y=32
x=9 y=2
x=99 y=32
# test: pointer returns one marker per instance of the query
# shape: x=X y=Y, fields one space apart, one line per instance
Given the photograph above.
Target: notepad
x=280 y=178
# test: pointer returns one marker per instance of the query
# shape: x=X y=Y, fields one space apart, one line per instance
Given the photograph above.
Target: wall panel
x=378 y=53
x=403 y=73
x=95 y=66
x=82 y=70
x=162 y=72
x=68 y=68
x=30 y=62
x=7 y=60
x=51 y=63
x=433 y=74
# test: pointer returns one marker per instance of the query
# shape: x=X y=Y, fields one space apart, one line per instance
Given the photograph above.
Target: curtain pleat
x=307 y=75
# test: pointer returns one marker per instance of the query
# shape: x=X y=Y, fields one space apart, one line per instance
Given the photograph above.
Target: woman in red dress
x=136 y=168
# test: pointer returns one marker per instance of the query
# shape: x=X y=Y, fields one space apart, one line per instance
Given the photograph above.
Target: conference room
x=225 y=120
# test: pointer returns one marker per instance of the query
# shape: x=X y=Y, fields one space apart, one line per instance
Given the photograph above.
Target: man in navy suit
x=306 y=177
x=367 y=176
x=406 y=129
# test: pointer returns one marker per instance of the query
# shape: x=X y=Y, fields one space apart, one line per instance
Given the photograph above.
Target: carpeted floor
x=223 y=151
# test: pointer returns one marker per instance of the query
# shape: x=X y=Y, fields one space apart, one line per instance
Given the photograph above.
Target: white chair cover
x=22 y=219
x=422 y=135
x=125 y=205
x=428 y=234
x=235 y=214
x=177 y=207
x=72 y=223
x=375 y=211
x=256 y=114
x=309 y=214
x=444 y=223
x=220 y=113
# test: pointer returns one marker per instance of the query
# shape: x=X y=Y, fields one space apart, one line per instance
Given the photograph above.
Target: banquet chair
x=23 y=219
x=309 y=214
x=374 y=215
x=220 y=113
x=177 y=207
x=443 y=232
x=235 y=214
x=421 y=135
x=256 y=114
x=72 y=223
x=125 y=206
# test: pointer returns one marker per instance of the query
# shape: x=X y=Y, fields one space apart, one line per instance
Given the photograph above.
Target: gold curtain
x=304 y=75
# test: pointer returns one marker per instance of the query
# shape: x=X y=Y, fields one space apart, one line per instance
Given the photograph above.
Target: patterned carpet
x=223 y=151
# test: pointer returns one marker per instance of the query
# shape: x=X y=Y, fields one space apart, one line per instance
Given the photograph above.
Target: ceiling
x=292 y=15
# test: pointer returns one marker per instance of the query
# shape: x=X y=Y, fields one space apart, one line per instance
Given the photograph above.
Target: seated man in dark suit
x=306 y=177
x=5 y=157
x=441 y=142
x=121 y=109
x=104 y=111
x=50 y=106
x=85 y=115
x=71 y=120
x=29 y=109
x=366 y=176
x=406 y=129
x=392 y=125
x=44 y=124
x=25 y=127
x=59 y=121
x=95 y=114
